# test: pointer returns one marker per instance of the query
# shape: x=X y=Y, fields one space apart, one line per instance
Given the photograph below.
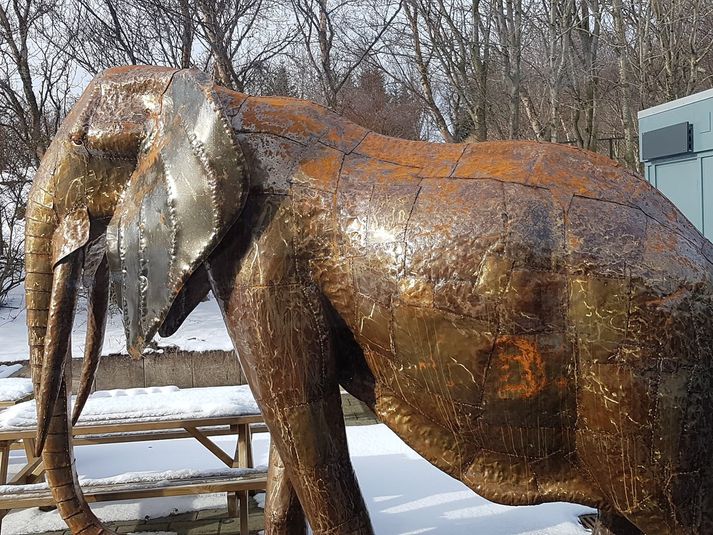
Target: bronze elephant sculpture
x=531 y=318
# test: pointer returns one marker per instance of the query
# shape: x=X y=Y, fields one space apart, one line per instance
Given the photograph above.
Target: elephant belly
x=536 y=343
x=508 y=464
x=495 y=411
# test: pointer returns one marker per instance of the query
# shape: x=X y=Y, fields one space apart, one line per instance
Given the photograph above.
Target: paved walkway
x=216 y=521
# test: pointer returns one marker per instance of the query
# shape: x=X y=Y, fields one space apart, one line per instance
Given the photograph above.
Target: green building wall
x=686 y=179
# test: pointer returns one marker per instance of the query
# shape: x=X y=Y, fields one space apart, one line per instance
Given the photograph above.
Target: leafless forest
x=568 y=71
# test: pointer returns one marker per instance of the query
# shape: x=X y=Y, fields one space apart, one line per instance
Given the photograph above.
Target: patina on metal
x=533 y=319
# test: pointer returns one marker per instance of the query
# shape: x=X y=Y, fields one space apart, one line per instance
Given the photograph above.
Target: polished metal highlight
x=187 y=190
x=531 y=318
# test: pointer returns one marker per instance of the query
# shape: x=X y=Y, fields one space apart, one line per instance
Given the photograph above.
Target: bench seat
x=140 y=486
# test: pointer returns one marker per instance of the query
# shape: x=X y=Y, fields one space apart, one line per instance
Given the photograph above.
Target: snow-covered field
x=203 y=330
x=404 y=493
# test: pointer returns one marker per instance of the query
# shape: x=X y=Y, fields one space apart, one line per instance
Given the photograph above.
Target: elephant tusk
x=96 y=327
x=57 y=341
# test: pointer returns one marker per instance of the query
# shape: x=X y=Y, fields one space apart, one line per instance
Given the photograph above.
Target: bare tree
x=336 y=37
x=422 y=63
x=583 y=69
x=98 y=34
x=14 y=186
x=684 y=41
x=547 y=57
x=242 y=37
x=621 y=49
x=440 y=51
x=35 y=85
x=557 y=70
x=28 y=84
x=509 y=19
x=172 y=29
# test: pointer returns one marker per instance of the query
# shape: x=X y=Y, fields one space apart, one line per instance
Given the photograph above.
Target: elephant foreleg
x=282 y=337
x=283 y=512
x=311 y=440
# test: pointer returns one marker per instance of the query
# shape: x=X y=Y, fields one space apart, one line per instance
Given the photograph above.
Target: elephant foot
x=285 y=528
x=609 y=523
x=283 y=512
x=284 y=518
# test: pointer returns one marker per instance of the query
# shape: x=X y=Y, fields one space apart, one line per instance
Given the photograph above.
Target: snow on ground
x=142 y=404
x=14 y=388
x=405 y=495
x=203 y=330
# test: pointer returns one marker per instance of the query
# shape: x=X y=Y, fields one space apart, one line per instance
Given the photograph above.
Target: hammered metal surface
x=531 y=318
x=186 y=191
x=526 y=316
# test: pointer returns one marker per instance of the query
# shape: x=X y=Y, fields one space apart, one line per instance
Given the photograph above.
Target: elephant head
x=145 y=163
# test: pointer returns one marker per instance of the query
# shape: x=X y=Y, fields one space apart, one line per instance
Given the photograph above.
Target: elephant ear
x=188 y=188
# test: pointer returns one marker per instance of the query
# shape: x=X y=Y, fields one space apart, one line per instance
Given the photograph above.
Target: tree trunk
x=622 y=54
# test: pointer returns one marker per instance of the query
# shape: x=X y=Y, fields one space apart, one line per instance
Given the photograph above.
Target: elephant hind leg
x=283 y=512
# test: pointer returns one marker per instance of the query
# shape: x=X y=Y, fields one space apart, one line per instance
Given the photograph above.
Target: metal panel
x=681 y=182
x=676 y=104
x=667 y=141
x=707 y=172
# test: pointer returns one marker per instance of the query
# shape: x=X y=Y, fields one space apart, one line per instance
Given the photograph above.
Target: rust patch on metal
x=522 y=371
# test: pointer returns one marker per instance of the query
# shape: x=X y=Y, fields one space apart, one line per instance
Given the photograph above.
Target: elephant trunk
x=51 y=298
x=63 y=298
x=40 y=227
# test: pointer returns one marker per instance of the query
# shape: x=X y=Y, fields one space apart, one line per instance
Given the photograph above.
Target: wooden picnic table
x=166 y=420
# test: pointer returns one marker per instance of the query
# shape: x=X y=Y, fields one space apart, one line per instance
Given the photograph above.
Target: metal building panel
x=681 y=182
x=667 y=141
x=707 y=183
